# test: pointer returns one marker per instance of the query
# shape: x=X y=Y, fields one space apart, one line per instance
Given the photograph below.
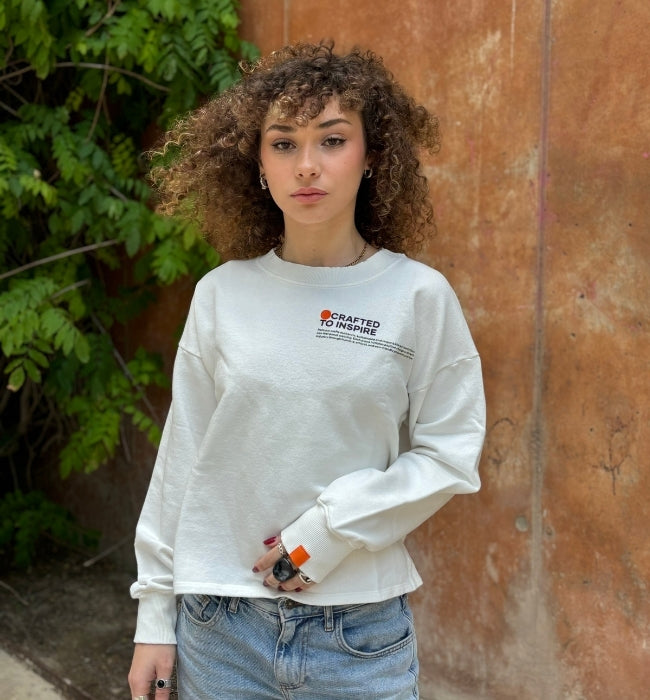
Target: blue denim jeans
x=254 y=648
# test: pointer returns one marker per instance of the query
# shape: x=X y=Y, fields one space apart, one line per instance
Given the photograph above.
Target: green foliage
x=84 y=84
x=25 y=519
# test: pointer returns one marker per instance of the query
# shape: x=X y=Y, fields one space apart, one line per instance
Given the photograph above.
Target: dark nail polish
x=280 y=588
x=265 y=583
x=297 y=590
x=269 y=541
x=255 y=570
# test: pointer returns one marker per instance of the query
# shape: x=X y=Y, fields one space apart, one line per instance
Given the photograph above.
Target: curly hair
x=213 y=176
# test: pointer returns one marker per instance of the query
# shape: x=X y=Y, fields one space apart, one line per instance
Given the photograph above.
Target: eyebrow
x=287 y=128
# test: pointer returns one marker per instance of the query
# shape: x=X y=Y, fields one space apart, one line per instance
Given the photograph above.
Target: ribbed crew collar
x=329 y=276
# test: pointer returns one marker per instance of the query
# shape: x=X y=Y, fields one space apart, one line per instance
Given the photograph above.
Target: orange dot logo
x=325 y=314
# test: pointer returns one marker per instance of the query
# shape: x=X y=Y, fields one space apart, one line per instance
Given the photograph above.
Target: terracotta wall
x=537 y=588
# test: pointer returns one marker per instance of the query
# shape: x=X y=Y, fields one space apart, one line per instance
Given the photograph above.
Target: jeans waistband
x=284 y=607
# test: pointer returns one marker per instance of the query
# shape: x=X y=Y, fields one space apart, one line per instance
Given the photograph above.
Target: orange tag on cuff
x=299 y=556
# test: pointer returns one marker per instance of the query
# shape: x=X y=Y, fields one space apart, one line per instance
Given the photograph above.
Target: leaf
x=33 y=372
x=71 y=176
x=8 y=160
x=51 y=321
x=82 y=348
x=132 y=241
x=64 y=338
x=38 y=357
x=16 y=379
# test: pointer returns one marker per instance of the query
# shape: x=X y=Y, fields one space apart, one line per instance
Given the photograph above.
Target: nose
x=307 y=164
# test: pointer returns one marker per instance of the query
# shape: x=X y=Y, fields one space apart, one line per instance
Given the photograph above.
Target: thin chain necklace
x=280 y=250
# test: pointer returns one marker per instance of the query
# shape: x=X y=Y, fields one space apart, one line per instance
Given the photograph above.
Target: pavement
x=20 y=680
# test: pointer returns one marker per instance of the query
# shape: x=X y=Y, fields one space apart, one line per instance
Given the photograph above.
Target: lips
x=308 y=195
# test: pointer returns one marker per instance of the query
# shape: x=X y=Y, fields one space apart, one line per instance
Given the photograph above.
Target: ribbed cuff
x=326 y=551
x=156 y=619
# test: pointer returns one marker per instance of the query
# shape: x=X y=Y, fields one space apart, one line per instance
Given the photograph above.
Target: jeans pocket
x=202 y=610
x=376 y=629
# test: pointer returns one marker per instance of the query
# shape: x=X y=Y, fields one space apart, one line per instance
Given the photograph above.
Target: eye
x=282 y=145
x=334 y=141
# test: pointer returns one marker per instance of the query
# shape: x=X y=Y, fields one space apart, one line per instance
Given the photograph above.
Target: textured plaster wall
x=537 y=588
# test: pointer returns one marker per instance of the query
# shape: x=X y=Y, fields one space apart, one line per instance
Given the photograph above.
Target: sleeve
x=373 y=509
x=193 y=404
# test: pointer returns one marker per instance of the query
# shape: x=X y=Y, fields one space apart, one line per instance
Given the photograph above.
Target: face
x=314 y=171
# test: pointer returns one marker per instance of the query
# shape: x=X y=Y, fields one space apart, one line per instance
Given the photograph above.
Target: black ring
x=284 y=570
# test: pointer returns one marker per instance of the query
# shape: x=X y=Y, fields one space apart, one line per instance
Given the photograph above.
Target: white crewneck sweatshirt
x=340 y=407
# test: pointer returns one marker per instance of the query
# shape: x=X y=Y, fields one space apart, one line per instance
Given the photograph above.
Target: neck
x=323 y=248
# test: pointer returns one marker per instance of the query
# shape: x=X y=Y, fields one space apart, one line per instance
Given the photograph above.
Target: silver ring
x=281 y=549
x=163 y=683
x=305 y=579
x=141 y=697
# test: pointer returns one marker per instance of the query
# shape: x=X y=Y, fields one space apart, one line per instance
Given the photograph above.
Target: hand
x=267 y=562
x=150 y=662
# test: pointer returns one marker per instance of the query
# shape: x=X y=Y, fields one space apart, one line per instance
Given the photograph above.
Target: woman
x=327 y=395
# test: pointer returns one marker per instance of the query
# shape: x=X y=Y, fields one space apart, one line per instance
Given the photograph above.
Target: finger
x=164 y=678
x=140 y=684
x=296 y=584
x=267 y=560
x=293 y=584
x=151 y=662
x=272 y=541
x=271 y=582
x=163 y=692
x=164 y=675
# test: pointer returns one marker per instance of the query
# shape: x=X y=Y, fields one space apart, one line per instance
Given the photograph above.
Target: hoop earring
x=263 y=183
x=367 y=173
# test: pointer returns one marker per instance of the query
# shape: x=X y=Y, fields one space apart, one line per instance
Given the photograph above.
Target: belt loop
x=329 y=618
x=233 y=605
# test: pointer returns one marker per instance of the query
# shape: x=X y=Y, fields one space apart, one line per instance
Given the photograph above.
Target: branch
x=17 y=95
x=110 y=13
x=118 y=194
x=116 y=69
x=16 y=73
x=110 y=550
x=58 y=256
x=98 y=108
x=69 y=288
x=127 y=372
x=13 y=590
x=7 y=108
x=97 y=66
